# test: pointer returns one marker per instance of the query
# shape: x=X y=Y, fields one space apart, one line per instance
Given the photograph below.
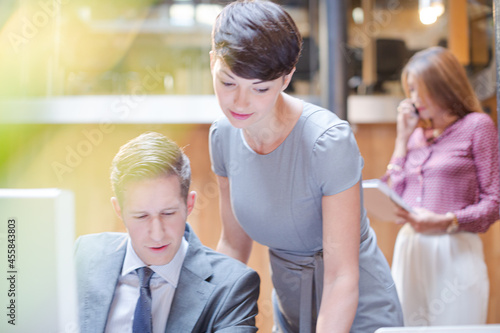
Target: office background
x=80 y=78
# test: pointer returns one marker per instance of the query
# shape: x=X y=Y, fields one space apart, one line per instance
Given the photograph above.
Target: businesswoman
x=289 y=175
x=447 y=170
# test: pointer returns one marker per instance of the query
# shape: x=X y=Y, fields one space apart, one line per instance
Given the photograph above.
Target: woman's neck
x=441 y=123
x=438 y=125
x=268 y=134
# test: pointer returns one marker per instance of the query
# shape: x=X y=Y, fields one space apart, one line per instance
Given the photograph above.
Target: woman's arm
x=341 y=236
x=479 y=216
x=234 y=241
x=407 y=121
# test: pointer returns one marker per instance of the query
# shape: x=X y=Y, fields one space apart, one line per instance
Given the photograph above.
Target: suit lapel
x=102 y=287
x=193 y=291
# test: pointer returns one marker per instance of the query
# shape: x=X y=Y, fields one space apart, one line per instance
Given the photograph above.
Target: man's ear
x=116 y=206
x=190 y=201
x=286 y=79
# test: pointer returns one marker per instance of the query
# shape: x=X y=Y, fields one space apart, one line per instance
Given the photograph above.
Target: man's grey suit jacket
x=215 y=293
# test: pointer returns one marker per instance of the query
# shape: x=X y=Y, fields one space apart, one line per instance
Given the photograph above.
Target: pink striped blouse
x=456 y=172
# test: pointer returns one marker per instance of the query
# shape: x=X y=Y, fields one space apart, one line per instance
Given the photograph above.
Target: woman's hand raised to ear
x=407 y=119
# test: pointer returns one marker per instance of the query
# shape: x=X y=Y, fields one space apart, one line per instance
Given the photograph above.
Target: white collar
x=169 y=272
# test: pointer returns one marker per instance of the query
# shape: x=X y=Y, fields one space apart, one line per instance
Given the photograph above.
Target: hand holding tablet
x=380 y=200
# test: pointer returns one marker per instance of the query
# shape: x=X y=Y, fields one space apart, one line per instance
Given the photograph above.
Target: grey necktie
x=142 y=316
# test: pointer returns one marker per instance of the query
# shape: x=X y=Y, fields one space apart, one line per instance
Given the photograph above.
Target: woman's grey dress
x=277 y=200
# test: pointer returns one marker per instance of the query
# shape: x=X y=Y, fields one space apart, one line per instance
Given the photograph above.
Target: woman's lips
x=241 y=116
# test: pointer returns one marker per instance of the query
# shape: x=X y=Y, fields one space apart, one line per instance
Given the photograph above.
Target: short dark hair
x=256 y=39
x=148 y=156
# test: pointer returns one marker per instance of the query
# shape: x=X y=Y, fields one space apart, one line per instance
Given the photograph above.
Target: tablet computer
x=381 y=201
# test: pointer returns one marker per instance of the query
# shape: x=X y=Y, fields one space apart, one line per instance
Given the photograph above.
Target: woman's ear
x=287 y=78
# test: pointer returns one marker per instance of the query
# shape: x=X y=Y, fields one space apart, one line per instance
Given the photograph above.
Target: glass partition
x=56 y=48
x=384 y=34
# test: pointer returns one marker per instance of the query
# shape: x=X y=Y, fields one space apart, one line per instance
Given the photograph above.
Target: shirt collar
x=169 y=272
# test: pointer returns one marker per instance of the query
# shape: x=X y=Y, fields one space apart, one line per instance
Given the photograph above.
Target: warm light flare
x=430 y=10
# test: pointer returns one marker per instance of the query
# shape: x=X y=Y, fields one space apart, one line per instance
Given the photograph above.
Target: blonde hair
x=441 y=79
x=148 y=156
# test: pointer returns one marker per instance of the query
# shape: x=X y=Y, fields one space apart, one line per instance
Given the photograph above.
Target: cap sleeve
x=216 y=151
x=336 y=160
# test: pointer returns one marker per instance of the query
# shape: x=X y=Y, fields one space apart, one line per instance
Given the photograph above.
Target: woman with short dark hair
x=289 y=175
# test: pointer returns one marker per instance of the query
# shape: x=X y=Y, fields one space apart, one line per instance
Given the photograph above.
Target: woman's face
x=427 y=109
x=246 y=102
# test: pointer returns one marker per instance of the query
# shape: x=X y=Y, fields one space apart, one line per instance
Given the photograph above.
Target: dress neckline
x=245 y=143
x=433 y=135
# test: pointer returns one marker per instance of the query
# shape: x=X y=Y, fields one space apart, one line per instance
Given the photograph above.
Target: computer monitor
x=37 y=284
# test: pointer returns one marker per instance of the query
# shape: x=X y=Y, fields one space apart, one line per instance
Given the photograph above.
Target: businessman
x=158 y=277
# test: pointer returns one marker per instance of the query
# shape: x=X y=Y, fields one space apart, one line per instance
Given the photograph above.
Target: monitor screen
x=38 y=285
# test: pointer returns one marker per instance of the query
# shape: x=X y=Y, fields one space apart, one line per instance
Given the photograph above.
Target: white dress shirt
x=163 y=284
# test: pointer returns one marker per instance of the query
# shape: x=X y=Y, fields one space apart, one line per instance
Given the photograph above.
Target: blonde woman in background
x=447 y=170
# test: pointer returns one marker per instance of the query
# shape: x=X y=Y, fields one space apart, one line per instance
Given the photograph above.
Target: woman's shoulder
x=220 y=124
x=221 y=127
x=478 y=117
x=319 y=119
x=478 y=121
x=221 y=134
x=323 y=130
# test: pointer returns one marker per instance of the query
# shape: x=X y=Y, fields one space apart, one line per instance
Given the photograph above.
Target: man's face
x=155 y=214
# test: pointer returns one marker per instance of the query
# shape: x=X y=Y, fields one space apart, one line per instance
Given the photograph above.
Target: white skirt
x=440 y=279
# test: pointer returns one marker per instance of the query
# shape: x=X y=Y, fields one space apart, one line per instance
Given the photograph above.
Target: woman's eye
x=227 y=84
x=168 y=213
x=141 y=217
x=262 y=90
